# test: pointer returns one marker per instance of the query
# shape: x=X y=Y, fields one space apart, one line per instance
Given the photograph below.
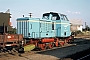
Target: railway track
x=59 y=52
x=87 y=57
x=82 y=55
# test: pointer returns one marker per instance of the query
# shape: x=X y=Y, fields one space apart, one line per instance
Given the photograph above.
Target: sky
x=74 y=9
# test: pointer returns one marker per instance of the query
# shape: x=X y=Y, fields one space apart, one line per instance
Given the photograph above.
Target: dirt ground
x=27 y=56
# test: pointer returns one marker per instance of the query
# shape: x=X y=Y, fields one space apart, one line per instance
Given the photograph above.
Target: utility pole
x=85 y=26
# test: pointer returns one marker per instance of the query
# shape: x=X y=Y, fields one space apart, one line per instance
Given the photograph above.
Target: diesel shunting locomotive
x=53 y=29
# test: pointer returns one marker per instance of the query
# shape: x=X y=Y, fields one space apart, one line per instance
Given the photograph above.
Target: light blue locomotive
x=50 y=25
x=53 y=29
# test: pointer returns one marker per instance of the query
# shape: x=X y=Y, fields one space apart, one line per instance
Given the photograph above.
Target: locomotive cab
x=61 y=23
x=54 y=16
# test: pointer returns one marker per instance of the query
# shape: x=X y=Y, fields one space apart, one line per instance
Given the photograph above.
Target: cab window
x=55 y=16
x=63 y=17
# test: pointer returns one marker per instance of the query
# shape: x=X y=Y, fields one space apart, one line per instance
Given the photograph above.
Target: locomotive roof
x=54 y=13
x=26 y=18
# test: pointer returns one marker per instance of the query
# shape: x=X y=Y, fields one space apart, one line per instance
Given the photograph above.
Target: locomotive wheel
x=46 y=47
x=71 y=41
x=51 y=45
x=62 y=43
x=59 y=45
x=41 y=46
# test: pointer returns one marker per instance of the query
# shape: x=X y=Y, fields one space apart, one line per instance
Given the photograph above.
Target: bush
x=76 y=33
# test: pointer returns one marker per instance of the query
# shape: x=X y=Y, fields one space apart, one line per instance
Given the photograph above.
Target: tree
x=87 y=28
x=14 y=30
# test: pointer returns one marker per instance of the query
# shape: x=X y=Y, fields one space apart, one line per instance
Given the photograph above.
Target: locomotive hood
x=27 y=18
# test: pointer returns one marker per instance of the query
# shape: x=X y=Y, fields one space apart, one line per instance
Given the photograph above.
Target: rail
x=84 y=57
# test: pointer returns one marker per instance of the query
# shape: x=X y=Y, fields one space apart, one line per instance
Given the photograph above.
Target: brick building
x=5 y=18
